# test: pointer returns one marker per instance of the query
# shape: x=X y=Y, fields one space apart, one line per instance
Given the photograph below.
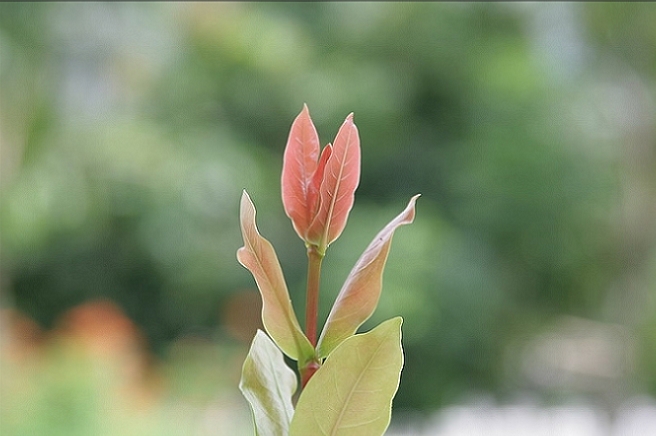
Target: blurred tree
x=129 y=130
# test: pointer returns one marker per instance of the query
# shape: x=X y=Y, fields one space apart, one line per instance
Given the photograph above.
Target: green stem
x=312 y=299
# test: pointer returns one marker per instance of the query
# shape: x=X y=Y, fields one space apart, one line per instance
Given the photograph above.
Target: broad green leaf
x=359 y=296
x=278 y=314
x=299 y=194
x=268 y=384
x=351 y=394
x=337 y=192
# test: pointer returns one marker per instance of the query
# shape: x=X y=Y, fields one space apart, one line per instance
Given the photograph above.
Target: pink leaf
x=359 y=296
x=337 y=192
x=298 y=169
x=317 y=178
x=278 y=316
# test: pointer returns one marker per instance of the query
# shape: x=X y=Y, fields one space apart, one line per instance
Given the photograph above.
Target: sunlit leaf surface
x=351 y=394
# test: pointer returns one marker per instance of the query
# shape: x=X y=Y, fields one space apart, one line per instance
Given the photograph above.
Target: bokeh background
x=527 y=281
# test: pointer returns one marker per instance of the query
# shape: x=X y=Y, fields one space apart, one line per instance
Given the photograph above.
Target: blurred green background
x=128 y=131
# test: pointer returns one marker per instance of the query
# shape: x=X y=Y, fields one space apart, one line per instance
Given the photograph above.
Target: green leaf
x=359 y=296
x=268 y=384
x=278 y=315
x=351 y=394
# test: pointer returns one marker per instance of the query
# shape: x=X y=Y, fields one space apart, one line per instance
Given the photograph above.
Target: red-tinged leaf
x=278 y=315
x=359 y=296
x=337 y=193
x=298 y=169
x=315 y=185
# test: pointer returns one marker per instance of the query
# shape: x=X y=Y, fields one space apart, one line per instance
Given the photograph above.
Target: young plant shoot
x=348 y=380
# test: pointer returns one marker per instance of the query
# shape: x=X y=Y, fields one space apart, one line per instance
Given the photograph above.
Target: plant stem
x=312 y=298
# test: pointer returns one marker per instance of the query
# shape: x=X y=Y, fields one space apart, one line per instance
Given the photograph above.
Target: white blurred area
x=587 y=367
x=636 y=417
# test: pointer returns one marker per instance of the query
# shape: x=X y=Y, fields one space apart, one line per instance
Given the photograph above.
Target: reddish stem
x=308 y=372
x=312 y=299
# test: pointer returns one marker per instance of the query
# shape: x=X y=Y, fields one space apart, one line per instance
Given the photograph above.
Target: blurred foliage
x=129 y=130
x=92 y=375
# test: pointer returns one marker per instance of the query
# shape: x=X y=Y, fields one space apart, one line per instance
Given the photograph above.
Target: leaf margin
x=299 y=165
x=268 y=421
x=276 y=302
x=335 y=330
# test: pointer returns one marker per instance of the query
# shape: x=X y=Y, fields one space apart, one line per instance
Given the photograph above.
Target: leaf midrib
x=333 y=200
x=350 y=394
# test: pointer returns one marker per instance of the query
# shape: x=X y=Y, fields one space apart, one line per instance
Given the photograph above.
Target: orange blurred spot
x=102 y=328
x=103 y=332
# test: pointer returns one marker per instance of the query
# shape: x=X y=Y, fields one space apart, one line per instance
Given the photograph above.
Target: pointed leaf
x=359 y=296
x=337 y=193
x=268 y=384
x=278 y=315
x=351 y=394
x=298 y=169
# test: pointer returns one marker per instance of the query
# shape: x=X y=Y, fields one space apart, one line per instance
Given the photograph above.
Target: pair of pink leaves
x=318 y=194
x=318 y=188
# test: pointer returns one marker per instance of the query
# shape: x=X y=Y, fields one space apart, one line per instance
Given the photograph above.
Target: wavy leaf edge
x=355 y=304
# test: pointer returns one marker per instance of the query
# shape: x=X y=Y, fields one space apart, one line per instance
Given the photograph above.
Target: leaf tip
x=397 y=321
x=259 y=334
x=410 y=209
x=414 y=198
x=246 y=207
x=244 y=195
